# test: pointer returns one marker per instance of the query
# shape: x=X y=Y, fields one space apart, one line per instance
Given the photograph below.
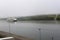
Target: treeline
x=39 y=17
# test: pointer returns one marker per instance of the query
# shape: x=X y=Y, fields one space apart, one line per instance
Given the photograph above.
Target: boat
x=12 y=19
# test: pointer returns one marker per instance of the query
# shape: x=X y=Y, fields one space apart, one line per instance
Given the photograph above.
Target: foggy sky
x=10 y=8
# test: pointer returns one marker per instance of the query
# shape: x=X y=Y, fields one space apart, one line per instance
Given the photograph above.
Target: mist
x=12 y=8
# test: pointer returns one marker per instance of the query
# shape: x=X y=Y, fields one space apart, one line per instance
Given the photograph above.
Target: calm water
x=31 y=29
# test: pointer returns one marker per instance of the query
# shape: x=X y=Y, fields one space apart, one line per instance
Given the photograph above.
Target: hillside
x=39 y=17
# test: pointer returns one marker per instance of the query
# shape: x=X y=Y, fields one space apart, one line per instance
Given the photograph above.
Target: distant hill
x=3 y=18
x=39 y=17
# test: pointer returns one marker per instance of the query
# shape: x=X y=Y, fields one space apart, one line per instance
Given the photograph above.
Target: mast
x=52 y=38
x=40 y=33
x=56 y=18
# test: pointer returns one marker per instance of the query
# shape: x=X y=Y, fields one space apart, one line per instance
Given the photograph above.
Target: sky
x=12 y=8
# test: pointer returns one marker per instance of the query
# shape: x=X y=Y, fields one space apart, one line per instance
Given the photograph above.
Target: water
x=31 y=29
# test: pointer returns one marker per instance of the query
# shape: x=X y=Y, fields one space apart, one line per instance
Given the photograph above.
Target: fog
x=10 y=8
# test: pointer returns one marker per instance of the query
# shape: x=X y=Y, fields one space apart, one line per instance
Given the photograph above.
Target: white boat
x=12 y=19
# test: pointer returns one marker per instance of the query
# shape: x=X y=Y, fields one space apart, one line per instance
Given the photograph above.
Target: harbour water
x=34 y=30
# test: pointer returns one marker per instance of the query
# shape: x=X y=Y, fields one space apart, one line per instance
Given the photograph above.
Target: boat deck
x=16 y=37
